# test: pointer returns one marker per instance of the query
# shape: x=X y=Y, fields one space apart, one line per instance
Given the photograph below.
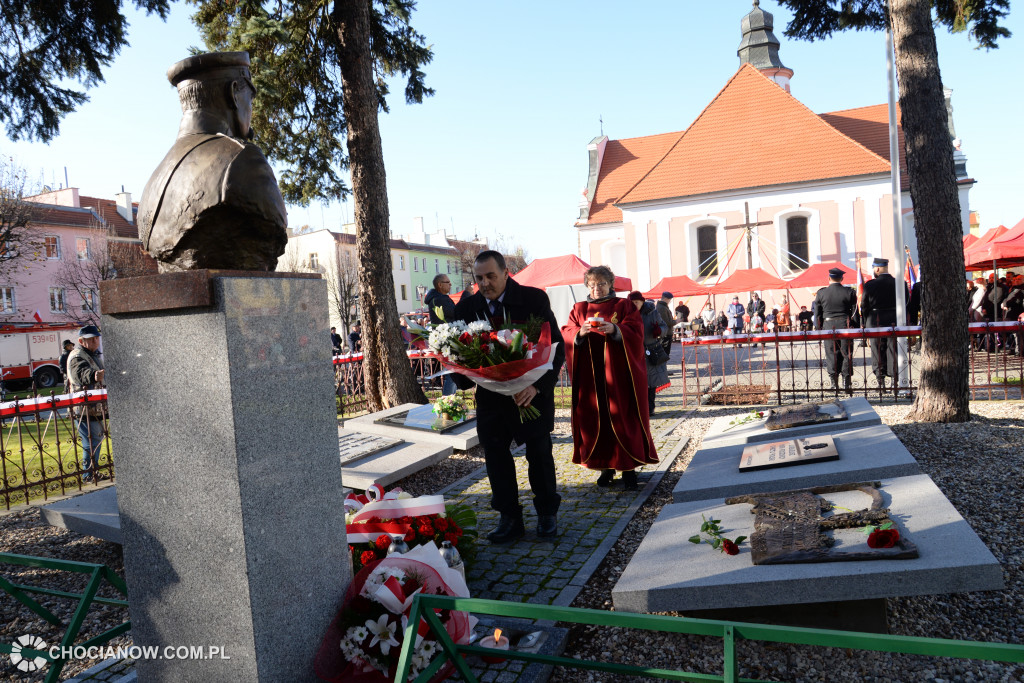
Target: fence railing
x=783 y=367
x=451 y=654
x=40 y=453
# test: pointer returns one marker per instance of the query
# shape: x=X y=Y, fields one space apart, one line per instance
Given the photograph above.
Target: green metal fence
x=423 y=606
x=98 y=573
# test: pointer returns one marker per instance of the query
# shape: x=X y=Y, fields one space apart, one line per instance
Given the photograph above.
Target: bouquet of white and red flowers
x=363 y=643
x=504 y=361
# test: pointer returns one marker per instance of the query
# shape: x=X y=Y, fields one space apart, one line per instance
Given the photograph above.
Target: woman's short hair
x=601 y=272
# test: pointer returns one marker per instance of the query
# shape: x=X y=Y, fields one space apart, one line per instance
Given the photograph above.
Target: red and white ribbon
x=393 y=508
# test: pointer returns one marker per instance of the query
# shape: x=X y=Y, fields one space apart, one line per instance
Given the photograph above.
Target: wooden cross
x=747 y=227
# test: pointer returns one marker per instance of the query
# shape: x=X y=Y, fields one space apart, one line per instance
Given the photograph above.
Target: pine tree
x=944 y=379
x=45 y=46
x=321 y=72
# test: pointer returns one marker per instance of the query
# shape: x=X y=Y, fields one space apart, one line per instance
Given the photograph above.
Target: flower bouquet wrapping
x=504 y=361
x=363 y=643
x=375 y=518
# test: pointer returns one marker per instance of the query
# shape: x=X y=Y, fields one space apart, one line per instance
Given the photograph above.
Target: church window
x=707 y=250
x=797 y=250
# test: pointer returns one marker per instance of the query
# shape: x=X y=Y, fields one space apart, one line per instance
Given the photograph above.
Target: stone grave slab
x=864 y=454
x=91 y=514
x=461 y=438
x=368 y=459
x=859 y=414
x=669 y=574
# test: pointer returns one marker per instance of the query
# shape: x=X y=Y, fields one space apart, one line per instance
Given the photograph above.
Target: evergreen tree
x=321 y=71
x=944 y=379
x=45 y=46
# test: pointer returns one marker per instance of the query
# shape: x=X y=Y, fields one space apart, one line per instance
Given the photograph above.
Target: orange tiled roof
x=870 y=127
x=107 y=210
x=623 y=162
x=53 y=214
x=753 y=134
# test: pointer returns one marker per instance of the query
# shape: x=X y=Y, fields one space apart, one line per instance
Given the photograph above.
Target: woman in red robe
x=607 y=364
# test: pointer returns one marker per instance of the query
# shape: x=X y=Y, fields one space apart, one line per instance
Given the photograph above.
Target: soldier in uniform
x=879 y=310
x=213 y=202
x=835 y=308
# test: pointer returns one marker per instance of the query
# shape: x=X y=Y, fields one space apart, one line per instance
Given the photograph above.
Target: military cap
x=836 y=273
x=210 y=65
x=667 y=295
x=880 y=263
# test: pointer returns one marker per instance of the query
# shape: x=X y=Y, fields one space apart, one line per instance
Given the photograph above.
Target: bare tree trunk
x=389 y=377
x=943 y=396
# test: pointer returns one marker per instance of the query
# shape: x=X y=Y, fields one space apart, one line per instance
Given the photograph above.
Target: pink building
x=73 y=242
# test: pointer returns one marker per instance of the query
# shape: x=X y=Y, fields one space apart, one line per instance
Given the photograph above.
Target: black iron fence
x=785 y=367
x=40 y=454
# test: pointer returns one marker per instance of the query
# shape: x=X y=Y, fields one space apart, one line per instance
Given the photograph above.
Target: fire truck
x=30 y=352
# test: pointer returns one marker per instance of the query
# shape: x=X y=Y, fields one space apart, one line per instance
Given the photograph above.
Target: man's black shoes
x=848 y=385
x=547 y=526
x=606 y=478
x=629 y=481
x=510 y=528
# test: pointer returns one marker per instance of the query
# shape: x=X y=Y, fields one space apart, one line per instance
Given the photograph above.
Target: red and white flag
x=37 y=316
x=860 y=285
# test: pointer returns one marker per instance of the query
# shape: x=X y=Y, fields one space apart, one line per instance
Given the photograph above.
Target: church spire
x=760 y=48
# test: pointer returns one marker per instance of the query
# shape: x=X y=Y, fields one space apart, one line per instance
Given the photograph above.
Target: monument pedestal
x=225 y=438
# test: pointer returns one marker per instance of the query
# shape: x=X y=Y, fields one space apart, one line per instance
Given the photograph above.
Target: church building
x=804 y=187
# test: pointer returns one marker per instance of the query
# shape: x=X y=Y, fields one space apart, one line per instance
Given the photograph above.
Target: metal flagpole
x=897 y=211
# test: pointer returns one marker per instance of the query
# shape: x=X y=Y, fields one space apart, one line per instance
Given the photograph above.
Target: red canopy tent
x=969 y=241
x=561 y=270
x=987 y=238
x=817 y=275
x=748 y=280
x=1006 y=249
x=679 y=285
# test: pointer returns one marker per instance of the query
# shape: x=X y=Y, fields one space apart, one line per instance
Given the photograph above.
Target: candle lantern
x=398 y=546
x=496 y=641
x=450 y=555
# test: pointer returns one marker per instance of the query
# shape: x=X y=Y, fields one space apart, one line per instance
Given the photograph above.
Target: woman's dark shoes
x=547 y=526
x=629 y=481
x=509 y=529
x=606 y=478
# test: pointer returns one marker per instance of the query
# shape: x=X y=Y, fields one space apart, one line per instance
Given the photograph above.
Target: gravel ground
x=982 y=480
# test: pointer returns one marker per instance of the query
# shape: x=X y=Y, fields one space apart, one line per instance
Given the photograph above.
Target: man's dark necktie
x=499 y=311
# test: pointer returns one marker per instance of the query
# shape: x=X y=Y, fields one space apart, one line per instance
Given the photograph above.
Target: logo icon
x=26 y=662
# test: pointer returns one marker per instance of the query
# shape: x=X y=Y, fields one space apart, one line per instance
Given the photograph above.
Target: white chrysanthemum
x=478 y=326
x=358 y=633
x=427 y=649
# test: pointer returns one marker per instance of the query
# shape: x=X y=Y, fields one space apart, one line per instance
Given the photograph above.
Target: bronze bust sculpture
x=213 y=202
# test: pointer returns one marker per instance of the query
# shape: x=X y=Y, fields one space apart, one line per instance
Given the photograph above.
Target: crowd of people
x=999 y=299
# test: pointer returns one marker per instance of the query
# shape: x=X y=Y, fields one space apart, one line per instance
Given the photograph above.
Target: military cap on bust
x=836 y=273
x=880 y=263
x=210 y=65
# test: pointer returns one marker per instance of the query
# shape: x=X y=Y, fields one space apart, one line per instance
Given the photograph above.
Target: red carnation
x=441 y=524
x=426 y=530
x=883 y=538
x=410 y=535
x=466 y=338
x=410 y=586
x=729 y=548
x=451 y=538
x=405 y=520
x=367 y=557
x=384 y=541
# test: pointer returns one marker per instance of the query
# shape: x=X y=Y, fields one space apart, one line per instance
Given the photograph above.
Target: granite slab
x=859 y=410
x=91 y=514
x=461 y=438
x=669 y=574
x=389 y=465
x=864 y=454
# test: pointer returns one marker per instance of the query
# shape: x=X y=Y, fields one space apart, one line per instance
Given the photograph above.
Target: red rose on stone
x=441 y=524
x=729 y=548
x=883 y=538
x=367 y=557
x=383 y=541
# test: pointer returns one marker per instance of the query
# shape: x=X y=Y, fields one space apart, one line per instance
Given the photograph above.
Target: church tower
x=760 y=47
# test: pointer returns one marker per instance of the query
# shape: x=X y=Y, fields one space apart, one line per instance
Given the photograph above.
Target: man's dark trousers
x=501 y=471
x=883 y=357
x=838 y=352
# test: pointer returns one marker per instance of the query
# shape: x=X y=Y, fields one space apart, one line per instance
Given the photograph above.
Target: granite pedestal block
x=461 y=438
x=92 y=514
x=225 y=440
x=864 y=454
x=392 y=464
x=860 y=413
x=669 y=574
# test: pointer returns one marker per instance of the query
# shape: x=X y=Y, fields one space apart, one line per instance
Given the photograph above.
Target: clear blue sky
x=501 y=147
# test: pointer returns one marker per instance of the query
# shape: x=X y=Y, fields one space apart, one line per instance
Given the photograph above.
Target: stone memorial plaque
x=423 y=418
x=805 y=414
x=358 y=446
x=761 y=456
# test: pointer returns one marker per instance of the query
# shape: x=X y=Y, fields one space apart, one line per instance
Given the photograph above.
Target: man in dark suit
x=498 y=422
x=879 y=310
x=835 y=307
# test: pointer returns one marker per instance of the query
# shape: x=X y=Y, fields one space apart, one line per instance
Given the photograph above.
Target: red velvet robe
x=610 y=422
